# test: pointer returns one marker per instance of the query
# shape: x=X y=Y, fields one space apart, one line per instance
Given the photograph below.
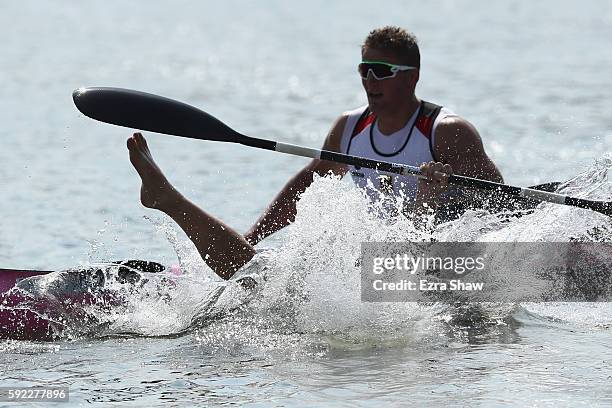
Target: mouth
x=373 y=96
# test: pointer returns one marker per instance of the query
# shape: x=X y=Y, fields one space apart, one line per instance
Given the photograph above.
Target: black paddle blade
x=140 y=110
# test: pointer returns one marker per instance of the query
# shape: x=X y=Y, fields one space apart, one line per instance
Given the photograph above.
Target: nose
x=370 y=80
x=370 y=75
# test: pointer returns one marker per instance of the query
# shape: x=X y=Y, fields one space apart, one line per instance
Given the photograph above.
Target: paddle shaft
x=406 y=170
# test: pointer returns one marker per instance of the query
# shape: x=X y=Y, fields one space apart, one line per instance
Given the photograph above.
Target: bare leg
x=221 y=247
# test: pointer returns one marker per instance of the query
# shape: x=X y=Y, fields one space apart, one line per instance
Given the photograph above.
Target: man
x=407 y=131
x=395 y=126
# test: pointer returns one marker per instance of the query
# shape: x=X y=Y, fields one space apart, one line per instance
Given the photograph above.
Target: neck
x=391 y=122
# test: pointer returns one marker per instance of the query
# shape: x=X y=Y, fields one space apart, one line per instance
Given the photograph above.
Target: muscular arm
x=458 y=144
x=281 y=212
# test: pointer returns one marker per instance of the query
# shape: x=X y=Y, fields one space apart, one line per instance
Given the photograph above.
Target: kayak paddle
x=140 y=110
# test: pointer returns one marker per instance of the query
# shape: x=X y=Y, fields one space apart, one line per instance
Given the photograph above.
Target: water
x=531 y=77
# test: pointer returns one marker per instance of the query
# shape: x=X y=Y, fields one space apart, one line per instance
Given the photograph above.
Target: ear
x=414 y=78
x=417 y=74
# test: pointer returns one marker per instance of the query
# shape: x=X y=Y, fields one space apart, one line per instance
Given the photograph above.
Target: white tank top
x=412 y=145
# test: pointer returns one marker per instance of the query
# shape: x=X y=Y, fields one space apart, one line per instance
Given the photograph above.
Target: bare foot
x=156 y=192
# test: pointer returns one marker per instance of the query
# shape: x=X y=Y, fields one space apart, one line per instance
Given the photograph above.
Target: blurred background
x=532 y=77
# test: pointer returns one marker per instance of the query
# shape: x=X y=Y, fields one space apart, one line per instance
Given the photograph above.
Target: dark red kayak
x=16 y=322
x=9 y=277
x=39 y=305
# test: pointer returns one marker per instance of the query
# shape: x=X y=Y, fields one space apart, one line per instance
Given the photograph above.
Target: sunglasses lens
x=380 y=71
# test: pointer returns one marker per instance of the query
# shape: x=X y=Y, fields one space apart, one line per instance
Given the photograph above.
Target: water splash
x=308 y=294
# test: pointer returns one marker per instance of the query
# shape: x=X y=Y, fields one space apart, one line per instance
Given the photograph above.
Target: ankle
x=171 y=201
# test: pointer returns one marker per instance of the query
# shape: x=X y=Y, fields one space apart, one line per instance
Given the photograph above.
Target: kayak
x=35 y=307
x=45 y=305
x=9 y=277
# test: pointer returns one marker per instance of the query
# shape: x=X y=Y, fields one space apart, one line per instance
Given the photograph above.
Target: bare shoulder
x=334 y=137
x=458 y=143
x=454 y=134
x=332 y=143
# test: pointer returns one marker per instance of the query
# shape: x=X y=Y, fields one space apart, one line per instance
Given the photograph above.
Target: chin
x=376 y=107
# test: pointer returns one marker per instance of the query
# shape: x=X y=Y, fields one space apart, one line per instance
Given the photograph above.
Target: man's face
x=388 y=95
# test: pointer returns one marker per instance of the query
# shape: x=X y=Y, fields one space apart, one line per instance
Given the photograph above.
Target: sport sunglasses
x=381 y=70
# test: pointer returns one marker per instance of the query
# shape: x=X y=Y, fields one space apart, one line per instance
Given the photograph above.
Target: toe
x=131 y=143
x=140 y=138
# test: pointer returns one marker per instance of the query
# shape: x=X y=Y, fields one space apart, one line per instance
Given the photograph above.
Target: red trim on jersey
x=363 y=123
x=425 y=124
